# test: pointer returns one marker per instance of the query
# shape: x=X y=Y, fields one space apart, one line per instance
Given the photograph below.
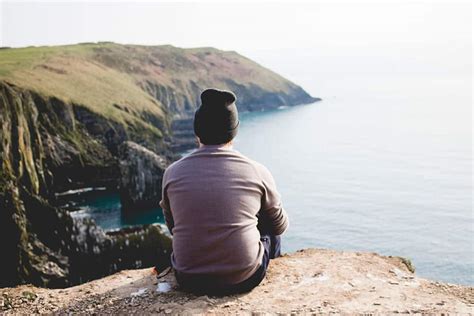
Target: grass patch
x=73 y=74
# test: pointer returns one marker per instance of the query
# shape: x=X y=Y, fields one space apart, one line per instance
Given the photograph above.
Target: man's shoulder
x=169 y=170
x=187 y=160
x=259 y=167
x=181 y=162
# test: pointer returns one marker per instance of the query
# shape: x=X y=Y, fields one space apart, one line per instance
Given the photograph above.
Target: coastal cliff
x=308 y=282
x=90 y=115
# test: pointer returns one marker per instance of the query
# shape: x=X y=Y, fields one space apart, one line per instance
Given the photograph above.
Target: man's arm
x=272 y=216
x=165 y=204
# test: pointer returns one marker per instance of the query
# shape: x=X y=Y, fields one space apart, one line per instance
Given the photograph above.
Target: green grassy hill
x=128 y=83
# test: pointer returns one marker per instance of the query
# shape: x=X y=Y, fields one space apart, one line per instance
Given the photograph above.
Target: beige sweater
x=210 y=202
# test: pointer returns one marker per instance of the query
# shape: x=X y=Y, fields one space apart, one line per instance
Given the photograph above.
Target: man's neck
x=226 y=145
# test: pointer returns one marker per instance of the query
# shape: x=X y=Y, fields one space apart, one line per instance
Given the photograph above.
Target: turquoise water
x=105 y=209
x=384 y=171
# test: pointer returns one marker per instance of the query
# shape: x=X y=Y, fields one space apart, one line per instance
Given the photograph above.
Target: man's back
x=211 y=199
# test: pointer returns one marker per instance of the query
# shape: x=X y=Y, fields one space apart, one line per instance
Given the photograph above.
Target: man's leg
x=273 y=242
x=275 y=249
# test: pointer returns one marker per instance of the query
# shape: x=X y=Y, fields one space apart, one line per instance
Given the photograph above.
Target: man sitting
x=222 y=208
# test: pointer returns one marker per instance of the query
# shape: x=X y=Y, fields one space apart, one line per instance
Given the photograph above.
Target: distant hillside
x=91 y=115
x=130 y=82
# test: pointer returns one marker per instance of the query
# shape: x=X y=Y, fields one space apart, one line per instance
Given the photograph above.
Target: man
x=222 y=208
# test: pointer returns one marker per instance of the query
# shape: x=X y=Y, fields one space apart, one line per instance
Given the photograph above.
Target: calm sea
x=378 y=166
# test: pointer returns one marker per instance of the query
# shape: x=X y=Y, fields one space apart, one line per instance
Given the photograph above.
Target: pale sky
x=333 y=36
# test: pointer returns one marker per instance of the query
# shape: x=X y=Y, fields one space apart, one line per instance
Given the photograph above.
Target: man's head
x=216 y=121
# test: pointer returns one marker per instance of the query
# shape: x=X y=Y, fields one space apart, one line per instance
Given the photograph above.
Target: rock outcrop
x=141 y=172
x=308 y=282
x=61 y=251
x=183 y=134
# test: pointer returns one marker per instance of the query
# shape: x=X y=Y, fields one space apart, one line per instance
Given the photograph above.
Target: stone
x=141 y=172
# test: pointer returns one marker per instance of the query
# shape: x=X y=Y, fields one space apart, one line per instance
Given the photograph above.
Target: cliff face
x=308 y=282
x=100 y=115
x=47 y=147
x=141 y=173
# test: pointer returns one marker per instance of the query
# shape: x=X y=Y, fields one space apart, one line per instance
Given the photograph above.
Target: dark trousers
x=200 y=284
x=272 y=245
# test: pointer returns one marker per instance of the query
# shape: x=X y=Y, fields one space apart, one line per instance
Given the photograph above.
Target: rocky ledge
x=312 y=281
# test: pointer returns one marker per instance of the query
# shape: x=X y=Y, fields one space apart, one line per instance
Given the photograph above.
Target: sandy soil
x=311 y=281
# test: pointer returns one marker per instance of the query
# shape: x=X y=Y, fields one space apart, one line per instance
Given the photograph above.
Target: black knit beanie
x=216 y=121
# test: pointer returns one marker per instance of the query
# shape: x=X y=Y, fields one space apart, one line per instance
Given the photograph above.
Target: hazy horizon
x=337 y=39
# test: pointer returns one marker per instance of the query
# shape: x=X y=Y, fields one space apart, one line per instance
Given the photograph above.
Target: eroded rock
x=141 y=173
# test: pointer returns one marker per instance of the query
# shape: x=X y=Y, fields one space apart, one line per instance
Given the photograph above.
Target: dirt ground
x=311 y=281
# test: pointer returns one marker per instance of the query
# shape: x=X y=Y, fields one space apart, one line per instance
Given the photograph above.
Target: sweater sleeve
x=165 y=204
x=272 y=212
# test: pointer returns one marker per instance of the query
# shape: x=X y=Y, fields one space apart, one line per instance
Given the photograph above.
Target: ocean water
x=384 y=166
x=380 y=166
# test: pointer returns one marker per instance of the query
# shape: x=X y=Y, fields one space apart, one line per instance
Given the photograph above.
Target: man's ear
x=198 y=141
